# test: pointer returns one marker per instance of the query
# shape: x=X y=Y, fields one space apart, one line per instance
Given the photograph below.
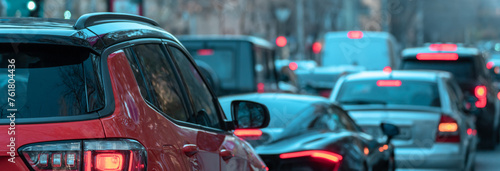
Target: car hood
x=312 y=140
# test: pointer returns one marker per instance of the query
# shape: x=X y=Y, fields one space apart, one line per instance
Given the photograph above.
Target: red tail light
x=389 y=83
x=325 y=93
x=443 y=47
x=316 y=47
x=293 y=66
x=355 y=34
x=108 y=155
x=437 y=56
x=332 y=157
x=480 y=92
x=260 y=87
x=489 y=65
x=247 y=132
x=205 y=52
x=447 y=130
x=387 y=69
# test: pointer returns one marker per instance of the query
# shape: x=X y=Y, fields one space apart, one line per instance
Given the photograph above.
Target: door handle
x=190 y=149
x=226 y=154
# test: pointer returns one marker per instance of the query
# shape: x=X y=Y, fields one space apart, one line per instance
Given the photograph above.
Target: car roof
x=252 y=39
x=461 y=51
x=96 y=31
x=276 y=98
x=416 y=75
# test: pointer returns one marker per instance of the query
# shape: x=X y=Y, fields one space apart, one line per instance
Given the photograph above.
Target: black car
x=310 y=133
x=469 y=68
x=234 y=64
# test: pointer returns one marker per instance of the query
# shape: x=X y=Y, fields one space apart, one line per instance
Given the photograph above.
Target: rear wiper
x=363 y=102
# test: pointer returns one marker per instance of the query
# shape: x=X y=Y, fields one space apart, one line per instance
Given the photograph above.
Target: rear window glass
x=408 y=93
x=368 y=52
x=220 y=60
x=50 y=80
x=461 y=69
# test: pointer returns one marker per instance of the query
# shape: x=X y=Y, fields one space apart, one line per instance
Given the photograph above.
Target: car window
x=367 y=92
x=454 y=98
x=462 y=70
x=48 y=84
x=221 y=60
x=345 y=120
x=157 y=81
x=205 y=109
x=326 y=120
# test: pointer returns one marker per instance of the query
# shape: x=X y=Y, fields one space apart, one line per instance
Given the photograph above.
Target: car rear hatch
x=417 y=127
x=50 y=93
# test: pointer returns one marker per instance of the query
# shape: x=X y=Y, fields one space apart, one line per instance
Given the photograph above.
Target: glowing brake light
x=109 y=161
x=205 y=52
x=329 y=156
x=86 y=155
x=448 y=127
x=447 y=130
x=247 y=132
x=387 y=69
x=260 y=87
x=389 y=83
x=355 y=34
x=437 y=56
x=489 y=65
x=293 y=66
x=443 y=47
x=316 y=47
x=480 y=93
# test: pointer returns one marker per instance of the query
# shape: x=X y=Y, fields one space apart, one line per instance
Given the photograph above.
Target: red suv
x=112 y=92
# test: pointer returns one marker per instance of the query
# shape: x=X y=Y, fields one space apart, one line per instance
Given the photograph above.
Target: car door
x=206 y=113
x=175 y=139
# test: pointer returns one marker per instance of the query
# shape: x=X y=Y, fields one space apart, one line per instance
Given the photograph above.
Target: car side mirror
x=389 y=130
x=248 y=114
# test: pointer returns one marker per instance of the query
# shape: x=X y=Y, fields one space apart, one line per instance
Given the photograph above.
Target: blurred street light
x=31 y=5
x=67 y=14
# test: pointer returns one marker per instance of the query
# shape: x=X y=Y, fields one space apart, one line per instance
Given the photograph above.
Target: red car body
x=169 y=146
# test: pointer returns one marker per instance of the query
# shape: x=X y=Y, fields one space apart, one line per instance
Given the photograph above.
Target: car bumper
x=442 y=156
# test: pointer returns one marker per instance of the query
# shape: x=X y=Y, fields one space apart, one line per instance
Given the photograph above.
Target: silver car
x=436 y=124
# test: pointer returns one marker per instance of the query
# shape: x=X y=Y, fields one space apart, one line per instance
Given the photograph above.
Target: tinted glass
x=462 y=69
x=50 y=80
x=153 y=70
x=220 y=60
x=409 y=93
x=200 y=96
x=368 y=52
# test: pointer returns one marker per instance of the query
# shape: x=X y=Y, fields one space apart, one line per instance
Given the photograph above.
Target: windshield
x=462 y=69
x=50 y=81
x=220 y=60
x=370 y=53
x=367 y=92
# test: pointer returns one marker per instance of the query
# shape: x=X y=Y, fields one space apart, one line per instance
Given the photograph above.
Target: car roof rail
x=92 y=19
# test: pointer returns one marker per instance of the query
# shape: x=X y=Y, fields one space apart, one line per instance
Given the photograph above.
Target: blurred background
x=301 y=22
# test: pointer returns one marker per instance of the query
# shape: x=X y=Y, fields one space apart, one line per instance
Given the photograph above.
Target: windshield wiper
x=363 y=102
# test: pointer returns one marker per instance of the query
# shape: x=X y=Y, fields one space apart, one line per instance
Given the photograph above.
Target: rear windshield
x=408 y=93
x=50 y=81
x=368 y=52
x=461 y=69
x=220 y=60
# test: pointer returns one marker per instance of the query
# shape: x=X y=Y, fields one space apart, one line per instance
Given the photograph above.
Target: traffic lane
x=488 y=160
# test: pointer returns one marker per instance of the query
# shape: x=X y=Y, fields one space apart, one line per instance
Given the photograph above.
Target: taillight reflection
x=355 y=34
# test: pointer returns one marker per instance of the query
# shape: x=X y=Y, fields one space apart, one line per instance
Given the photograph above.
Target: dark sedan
x=310 y=133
